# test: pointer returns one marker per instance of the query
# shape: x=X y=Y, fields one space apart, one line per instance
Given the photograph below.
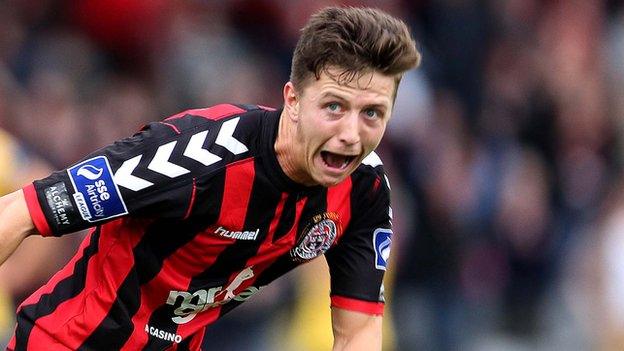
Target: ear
x=291 y=101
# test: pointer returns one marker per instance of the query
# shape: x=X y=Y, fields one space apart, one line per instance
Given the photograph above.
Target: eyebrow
x=333 y=95
x=338 y=97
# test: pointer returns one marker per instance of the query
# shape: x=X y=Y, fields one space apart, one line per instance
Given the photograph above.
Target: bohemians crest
x=318 y=238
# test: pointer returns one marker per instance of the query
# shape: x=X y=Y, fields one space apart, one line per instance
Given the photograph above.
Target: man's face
x=338 y=124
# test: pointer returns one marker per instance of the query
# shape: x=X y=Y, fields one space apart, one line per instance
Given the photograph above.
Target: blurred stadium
x=504 y=153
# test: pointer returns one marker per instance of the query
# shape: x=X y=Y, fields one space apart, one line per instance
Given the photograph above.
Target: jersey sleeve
x=358 y=262
x=153 y=174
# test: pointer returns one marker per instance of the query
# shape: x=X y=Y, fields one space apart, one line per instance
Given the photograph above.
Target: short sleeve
x=358 y=262
x=153 y=174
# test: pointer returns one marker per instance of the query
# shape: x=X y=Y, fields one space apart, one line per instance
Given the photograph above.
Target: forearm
x=362 y=333
x=15 y=223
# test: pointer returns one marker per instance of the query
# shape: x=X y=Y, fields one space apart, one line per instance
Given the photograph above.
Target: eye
x=333 y=107
x=371 y=113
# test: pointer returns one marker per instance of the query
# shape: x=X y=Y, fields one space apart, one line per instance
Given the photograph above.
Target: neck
x=287 y=150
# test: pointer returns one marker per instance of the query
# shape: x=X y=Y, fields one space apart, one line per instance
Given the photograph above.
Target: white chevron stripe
x=123 y=176
x=195 y=151
x=226 y=139
x=372 y=160
x=161 y=163
x=387 y=182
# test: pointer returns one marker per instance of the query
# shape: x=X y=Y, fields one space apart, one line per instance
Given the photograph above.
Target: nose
x=349 y=129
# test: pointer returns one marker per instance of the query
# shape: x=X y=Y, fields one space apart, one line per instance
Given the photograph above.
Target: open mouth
x=338 y=161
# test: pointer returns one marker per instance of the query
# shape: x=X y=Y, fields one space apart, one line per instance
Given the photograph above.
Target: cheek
x=307 y=138
x=311 y=130
x=372 y=137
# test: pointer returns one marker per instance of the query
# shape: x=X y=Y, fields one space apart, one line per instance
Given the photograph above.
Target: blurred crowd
x=504 y=153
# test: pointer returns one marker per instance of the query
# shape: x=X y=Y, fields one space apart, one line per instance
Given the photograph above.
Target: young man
x=195 y=214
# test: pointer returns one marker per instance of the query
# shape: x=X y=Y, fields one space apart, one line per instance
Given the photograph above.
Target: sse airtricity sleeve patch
x=96 y=194
x=382 y=240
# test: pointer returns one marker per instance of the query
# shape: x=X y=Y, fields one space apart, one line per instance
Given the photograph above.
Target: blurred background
x=504 y=153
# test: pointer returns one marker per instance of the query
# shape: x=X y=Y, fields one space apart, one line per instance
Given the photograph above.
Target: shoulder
x=233 y=129
x=371 y=168
x=245 y=115
x=370 y=179
x=191 y=144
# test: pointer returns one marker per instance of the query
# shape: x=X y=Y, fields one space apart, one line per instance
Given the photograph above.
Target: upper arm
x=355 y=330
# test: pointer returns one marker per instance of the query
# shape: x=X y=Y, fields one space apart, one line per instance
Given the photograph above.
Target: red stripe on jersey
x=175 y=129
x=339 y=201
x=376 y=184
x=214 y=113
x=202 y=319
x=34 y=208
x=266 y=108
x=239 y=178
x=11 y=345
x=269 y=251
x=275 y=221
x=77 y=318
x=289 y=239
x=192 y=202
x=196 y=342
x=357 y=305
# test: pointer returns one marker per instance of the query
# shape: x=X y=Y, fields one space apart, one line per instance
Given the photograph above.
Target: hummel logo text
x=242 y=235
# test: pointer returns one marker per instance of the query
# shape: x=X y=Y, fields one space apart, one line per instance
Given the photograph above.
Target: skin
x=347 y=119
x=15 y=223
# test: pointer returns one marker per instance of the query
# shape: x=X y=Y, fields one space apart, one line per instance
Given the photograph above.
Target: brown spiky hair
x=356 y=41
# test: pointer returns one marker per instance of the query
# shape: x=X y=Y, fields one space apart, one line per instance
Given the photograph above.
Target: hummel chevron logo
x=124 y=176
x=195 y=151
x=226 y=139
x=163 y=164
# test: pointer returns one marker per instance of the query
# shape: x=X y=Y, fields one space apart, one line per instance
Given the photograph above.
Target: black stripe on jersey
x=116 y=327
x=285 y=263
x=161 y=239
x=287 y=218
x=263 y=200
x=185 y=345
x=65 y=289
x=368 y=191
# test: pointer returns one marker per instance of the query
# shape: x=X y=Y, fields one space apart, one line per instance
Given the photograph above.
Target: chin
x=328 y=182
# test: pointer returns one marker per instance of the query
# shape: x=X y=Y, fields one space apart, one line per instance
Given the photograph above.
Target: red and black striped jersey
x=191 y=216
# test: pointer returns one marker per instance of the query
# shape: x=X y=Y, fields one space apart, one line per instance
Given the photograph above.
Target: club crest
x=318 y=238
